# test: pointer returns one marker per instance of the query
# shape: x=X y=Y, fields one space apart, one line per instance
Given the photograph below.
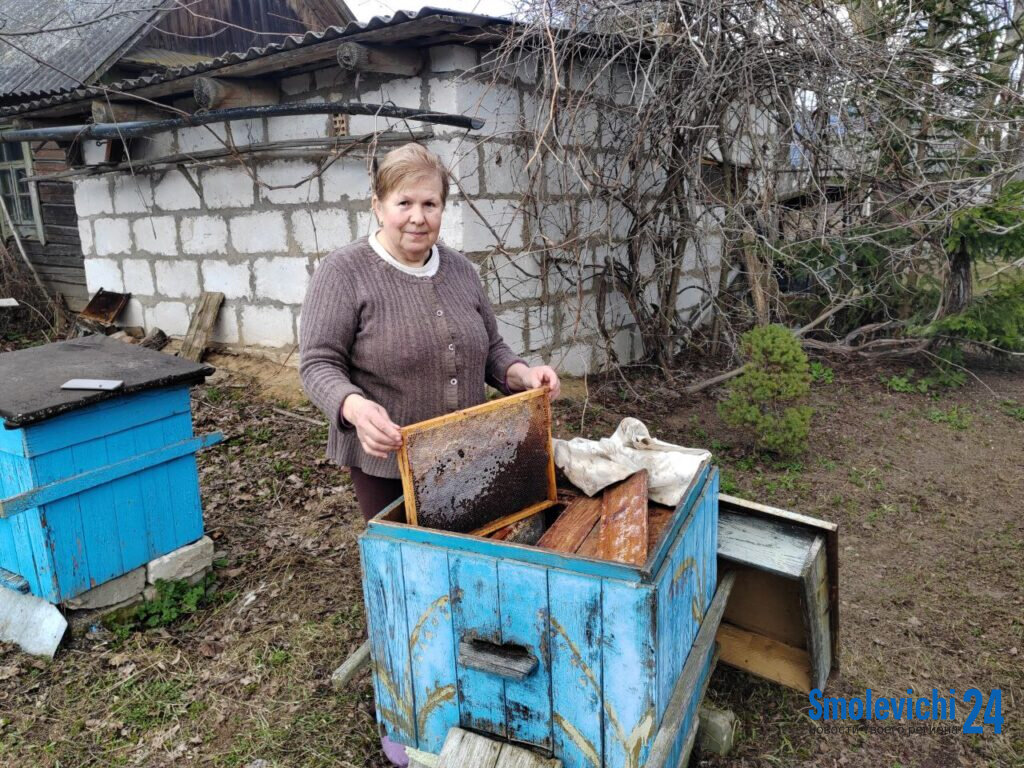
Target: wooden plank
x=573 y=526
x=694 y=670
x=474 y=584
x=574 y=603
x=523 y=592
x=831 y=531
x=591 y=546
x=431 y=643
x=463 y=749
x=512 y=662
x=705 y=477
x=628 y=667
x=351 y=667
x=765 y=658
x=658 y=519
x=767 y=604
x=384 y=592
x=624 y=520
x=814 y=582
x=775 y=547
x=516 y=757
x=201 y=326
x=515 y=517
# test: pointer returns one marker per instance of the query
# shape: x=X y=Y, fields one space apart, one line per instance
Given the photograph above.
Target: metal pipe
x=146 y=127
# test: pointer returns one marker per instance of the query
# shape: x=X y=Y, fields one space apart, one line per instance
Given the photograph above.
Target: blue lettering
x=882 y=709
x=867 y=705
x=952 y=704
x=836 y=708
x=898 y=706
x=815 y=699
x=938 y=706
x=917 y=709
x=856 y=709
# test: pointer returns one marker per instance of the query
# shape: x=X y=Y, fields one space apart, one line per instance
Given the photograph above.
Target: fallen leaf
x=9 y=671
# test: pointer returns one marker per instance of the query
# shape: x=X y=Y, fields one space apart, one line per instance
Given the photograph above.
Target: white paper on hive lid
x=595 y=464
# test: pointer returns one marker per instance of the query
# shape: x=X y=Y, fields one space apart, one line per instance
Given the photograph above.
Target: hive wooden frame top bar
x=492 y=411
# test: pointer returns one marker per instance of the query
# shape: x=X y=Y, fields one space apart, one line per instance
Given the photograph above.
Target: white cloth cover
x=595 y=464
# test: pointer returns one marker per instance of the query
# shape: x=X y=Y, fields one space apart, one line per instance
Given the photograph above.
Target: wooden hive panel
x=481 y=468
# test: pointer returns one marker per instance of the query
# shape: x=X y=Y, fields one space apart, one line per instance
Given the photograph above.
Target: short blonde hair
x=407 y=163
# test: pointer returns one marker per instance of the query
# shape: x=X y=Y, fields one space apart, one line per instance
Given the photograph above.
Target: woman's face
x=410 y=219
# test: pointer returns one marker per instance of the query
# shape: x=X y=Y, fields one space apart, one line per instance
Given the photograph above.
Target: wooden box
x=93 y=485
x=573 y=655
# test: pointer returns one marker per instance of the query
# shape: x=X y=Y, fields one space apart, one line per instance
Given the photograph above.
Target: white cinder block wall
x=256 y=232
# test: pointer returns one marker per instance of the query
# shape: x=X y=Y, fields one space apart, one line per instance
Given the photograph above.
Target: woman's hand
x=378 y=435
x=522 y=377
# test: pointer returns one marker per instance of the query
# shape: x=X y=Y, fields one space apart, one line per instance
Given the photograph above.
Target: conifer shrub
x=765 y=400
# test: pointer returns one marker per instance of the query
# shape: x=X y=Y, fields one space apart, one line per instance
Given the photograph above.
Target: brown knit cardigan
x=419 y=346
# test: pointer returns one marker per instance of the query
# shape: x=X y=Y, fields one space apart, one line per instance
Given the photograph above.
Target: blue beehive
x=94 y=484
x=610 y=639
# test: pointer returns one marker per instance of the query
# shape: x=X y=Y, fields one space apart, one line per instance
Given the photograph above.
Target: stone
x=31 y=623
x=717 y=731
x=178 y=279
x=182 y=563
x=174 y=192
x=85 y=236
x=150 y=592
x=110 y=592
x=346 y=179
x=230 y=279
x=111 y=236
x=138 y=277
x=156 y=234
x=276 y=180
x=203 y=234
x=227 y=187
x=82 y=621
x=267 y=326
x=132 y=193
x=103 y=273
x=92 y=196
x=259 y=232
x=452 y=58
x=318 y=232
x=282 y=279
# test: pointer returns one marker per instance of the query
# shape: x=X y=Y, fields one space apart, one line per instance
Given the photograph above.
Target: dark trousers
x=374 y=493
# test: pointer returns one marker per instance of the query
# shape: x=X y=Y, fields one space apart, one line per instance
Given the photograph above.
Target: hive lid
x=481 y=468
x=30 y=379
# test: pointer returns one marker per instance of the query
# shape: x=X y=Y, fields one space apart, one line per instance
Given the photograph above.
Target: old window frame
x=29 y=222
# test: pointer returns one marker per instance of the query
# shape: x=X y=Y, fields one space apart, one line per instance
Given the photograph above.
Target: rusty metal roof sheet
x=57 y=45
x=406 y=25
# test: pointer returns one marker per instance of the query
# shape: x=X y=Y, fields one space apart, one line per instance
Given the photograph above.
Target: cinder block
x=276 y=182
x=79 y=622
x=230 y=279
x=225 y=330
x=452 y=58
x=498 y=221
x=259 y=232
x=227 y=188
x=504 y=170
x=111 y=592
x=85 y=236
x=174 y=192
x=182 y=563
x=318 y=232
x=461 y=158
x=717 y=731
x=515 y=278
x=443 y=95
x=157 y=145
x=346 y=179
x=400 y=92
x=132 y=315
x=361 y=125
x=281 y=279
x=133 y=193
x=103 y=273
x=138 y=277
x=92 y=196
x=156 y=234
x=329 y=77
x=541 y=329
x=111 y=236
x=296 y=84
x=203 y=234
x=246 y=132
x=573 y=360
x=512 y=328
x=202 y=137
x=169 y=316
x=289 y=127
x=267 y=326
x=451 y=226
x=366 y=224
x=496 y=103
x=178 y=279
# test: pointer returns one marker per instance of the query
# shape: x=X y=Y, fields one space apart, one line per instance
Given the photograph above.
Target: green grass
x=955 y=416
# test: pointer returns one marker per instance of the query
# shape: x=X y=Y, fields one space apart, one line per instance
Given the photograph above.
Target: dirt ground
x=926 y=490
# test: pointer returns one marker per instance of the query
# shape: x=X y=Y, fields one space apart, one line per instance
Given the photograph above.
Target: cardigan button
x=440 y=312
x=451 y=347
x=454 y=382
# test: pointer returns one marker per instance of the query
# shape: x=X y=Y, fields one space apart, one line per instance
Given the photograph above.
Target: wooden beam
x=765 y=658
x=104 y=111
x=231 y=93
x=389 y=60
x=573 y=526
x=201 y=326
x=351 y=667
x=624 y=520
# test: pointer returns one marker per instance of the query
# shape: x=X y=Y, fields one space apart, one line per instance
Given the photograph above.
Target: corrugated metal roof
x=412 y=18
x=56 y=45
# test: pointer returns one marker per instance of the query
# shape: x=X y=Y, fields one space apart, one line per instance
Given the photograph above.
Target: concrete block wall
x=257 y=232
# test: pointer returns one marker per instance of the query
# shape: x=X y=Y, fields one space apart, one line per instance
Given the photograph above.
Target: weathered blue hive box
x=94 y=484
x=610 y=639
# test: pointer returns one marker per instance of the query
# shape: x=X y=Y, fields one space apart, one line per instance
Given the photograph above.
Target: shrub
x=765 y=399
